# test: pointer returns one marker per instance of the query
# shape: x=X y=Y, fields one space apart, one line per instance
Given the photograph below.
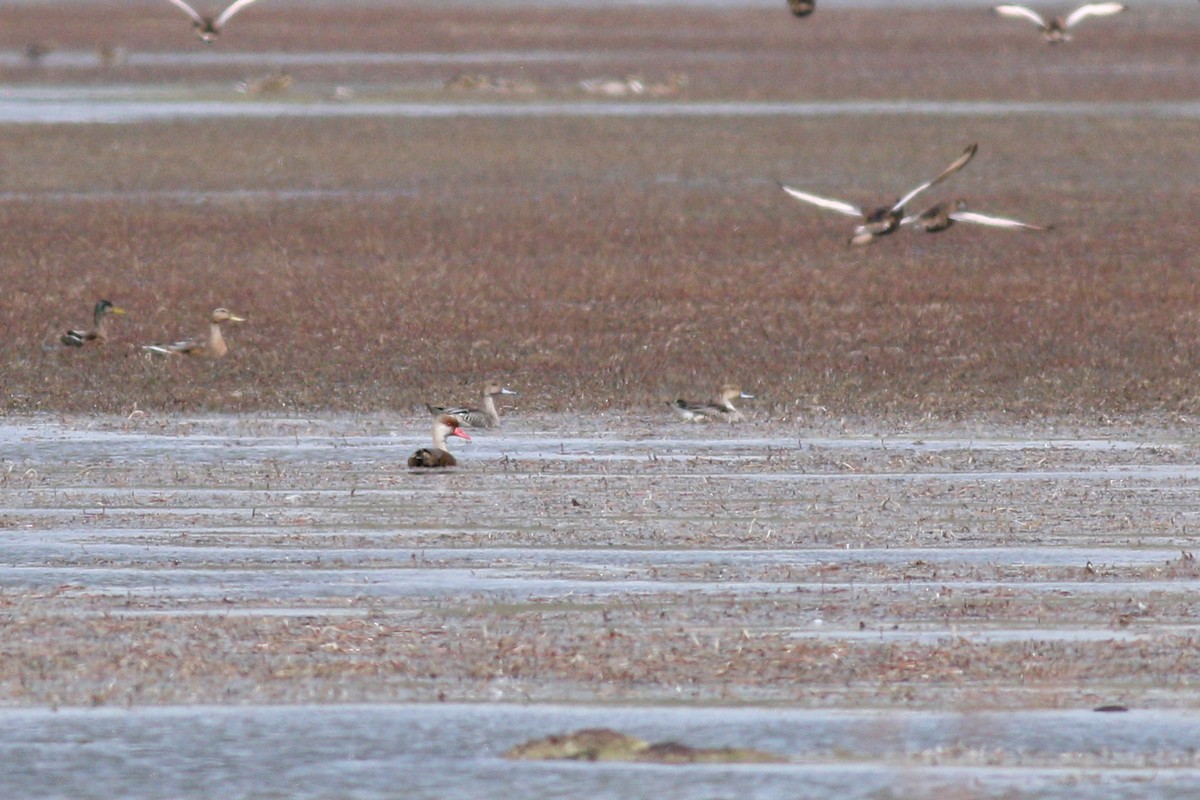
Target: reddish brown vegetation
x=617 y=262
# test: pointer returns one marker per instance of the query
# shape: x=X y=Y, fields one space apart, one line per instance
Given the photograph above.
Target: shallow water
x=439 y=751
x=1065 y=539
x=25 y=108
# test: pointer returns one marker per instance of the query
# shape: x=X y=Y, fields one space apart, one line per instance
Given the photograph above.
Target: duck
x=211 y=347
x=802 y=8
x=208 y=28
x=721 y=408
x=884 y=219
x=486 y=417
x=1055 y=29
x=941 y=216
x=438 y=456
x=98 y=333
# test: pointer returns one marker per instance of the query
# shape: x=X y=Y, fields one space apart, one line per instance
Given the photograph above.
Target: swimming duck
x=208 y=28
x=1054 y=30
x=211 y=347
x=720 y=408
x=486 y=417
x=438 y=456
x=98 y=333
x=943 y=215
x=884 y=219
x=802 y=8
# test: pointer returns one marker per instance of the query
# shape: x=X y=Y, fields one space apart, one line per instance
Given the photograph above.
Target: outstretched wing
x=1023 y=13
x=191 y=12
x=229 y=12
x=958 y=164
x=824 y=202
x=996 y=222
x=1092 y=10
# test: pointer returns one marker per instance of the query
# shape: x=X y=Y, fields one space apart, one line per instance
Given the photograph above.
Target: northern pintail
x=438 y=456
x=208 y=28
x=884 y=219
x=486 y=417
x=98 y=333
x=943 y=215
x=720 y=408
x=1055 y=29
x=212 y=346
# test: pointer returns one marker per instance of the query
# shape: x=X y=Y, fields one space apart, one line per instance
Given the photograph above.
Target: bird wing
x=1092 y=10
x=824 y=202
x=958 y=164
x=229 y=12
x=1021 y=11
x=997 y=222
x=191 y=12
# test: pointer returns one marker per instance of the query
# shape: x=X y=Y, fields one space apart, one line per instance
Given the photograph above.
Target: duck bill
x=460 y=433
x=116 y=310
x=507 y=391
x=232 y=318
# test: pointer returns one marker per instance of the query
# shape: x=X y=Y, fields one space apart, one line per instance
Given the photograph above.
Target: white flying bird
x=208 y=28
x=884 y=219
x=1054 y=30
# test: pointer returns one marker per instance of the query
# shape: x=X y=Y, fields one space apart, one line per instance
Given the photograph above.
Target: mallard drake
x=802 y=8
x=486 y=417
x=884 y=219
x=438 y=456
x=212 y=346
x=720 y=407
x=1055 y=29
x=208 y=28
x=98 y=333
x=943 y=215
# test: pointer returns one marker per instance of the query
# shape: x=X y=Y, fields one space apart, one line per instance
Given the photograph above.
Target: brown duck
x=212 y=346
x=438 y=456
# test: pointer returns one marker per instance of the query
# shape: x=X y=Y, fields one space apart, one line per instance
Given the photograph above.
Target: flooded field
x=983 y=589
x=959 y=522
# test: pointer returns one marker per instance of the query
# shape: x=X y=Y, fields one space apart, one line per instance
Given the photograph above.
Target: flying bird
x=802 y=8
x=1055 y=29
x=941 y=216
x=208 y=28
x=884 y=219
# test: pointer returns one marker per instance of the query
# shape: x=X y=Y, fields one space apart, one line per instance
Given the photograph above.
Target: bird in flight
x=884 y=219
x=1055 y=29
x=943 y=215
x=209 y=28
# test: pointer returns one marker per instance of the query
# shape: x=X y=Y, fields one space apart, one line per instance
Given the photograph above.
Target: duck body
x=943 y=215
x=720 y=408
x=98 y=333
x=485 y=417
x=438 y=456
x=212 y=346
